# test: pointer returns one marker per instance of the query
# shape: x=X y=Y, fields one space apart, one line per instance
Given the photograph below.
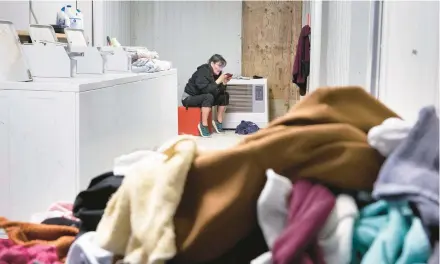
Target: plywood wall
x=270 y=31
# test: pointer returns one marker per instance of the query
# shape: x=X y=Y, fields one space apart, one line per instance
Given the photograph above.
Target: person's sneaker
x=217 y=126
x=204 y=131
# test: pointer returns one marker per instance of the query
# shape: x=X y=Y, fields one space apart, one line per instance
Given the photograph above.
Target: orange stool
x=189 y=119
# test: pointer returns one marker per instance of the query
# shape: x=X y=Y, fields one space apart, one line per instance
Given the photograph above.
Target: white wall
x=112 y=18
x=188 y=33
x=306 y=10
x=391 y=50
x=118 y=21
x=17 y=12
x=345 y=41
x=410 y=56
x=85 y=6
x=335 y=43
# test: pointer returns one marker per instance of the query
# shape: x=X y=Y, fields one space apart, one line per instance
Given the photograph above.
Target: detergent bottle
x=71 y=17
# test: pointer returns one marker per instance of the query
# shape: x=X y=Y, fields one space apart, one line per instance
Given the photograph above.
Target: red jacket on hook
x=301 y=65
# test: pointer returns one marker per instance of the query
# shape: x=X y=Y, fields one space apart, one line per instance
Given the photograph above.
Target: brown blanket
x=322 y=138
x=28 y=234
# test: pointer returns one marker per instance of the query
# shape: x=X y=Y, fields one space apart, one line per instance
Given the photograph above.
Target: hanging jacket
x=301 y=64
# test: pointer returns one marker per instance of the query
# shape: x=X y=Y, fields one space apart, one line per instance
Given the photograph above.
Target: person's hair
x=217 y=58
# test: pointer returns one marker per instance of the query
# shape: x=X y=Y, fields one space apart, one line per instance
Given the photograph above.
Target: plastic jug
x=70 y=17
x=77 y=20
x=62 y=18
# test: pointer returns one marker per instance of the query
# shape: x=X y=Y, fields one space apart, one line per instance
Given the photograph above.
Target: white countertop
x=82 y=82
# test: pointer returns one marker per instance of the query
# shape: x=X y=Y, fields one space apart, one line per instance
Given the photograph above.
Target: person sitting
x=207 y=88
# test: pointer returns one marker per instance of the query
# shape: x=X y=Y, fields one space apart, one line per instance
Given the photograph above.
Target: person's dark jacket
x=203 y=82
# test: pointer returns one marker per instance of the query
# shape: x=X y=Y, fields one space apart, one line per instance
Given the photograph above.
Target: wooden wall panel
x=270 y=31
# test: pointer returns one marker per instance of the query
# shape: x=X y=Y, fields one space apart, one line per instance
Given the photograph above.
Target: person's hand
x=221 y=79
x=226 y=80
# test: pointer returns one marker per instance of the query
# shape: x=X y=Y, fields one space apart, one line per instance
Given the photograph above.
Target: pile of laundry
x=340 y=179
x=144 y=60
x=306 y=222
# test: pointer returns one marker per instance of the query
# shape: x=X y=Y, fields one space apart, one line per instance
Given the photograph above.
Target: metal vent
x=240 y=99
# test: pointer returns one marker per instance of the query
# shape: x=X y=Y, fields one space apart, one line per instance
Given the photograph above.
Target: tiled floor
x=219 y=141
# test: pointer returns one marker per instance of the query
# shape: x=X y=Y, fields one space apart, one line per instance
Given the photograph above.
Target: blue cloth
x=388 y=233
x=246 y=127
x=411 y=172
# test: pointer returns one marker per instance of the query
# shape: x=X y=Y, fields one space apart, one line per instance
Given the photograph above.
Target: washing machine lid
x=13 y=64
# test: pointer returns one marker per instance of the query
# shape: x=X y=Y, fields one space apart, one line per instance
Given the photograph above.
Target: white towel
x=388 y=135
x=272 y=206
x=335 y=238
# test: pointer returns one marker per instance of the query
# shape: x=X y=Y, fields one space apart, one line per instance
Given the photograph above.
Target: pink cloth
x=310 y=206
x=58 y=209
x=11 y=253
x=64 y=207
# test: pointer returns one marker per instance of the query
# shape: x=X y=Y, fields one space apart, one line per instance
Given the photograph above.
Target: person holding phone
x=207 y=88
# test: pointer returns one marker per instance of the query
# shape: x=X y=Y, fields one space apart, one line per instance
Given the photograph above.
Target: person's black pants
x=206 y=100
